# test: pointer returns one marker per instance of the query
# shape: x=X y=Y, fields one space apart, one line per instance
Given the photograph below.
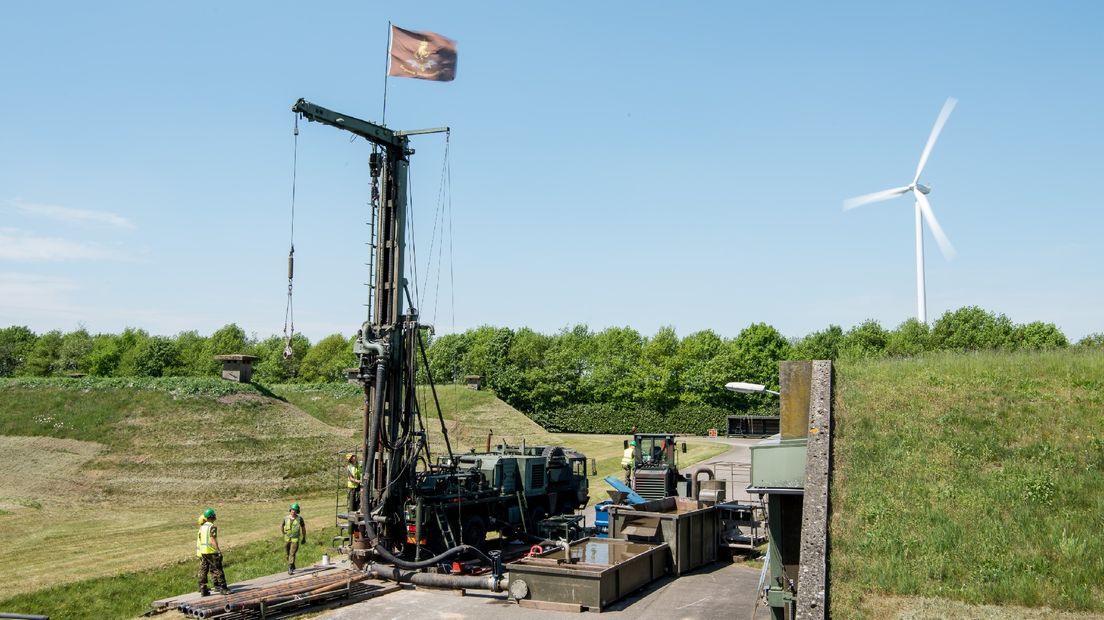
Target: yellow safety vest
x=293 y=530
x=203 y=540
x=629 y=457
x=354 y=471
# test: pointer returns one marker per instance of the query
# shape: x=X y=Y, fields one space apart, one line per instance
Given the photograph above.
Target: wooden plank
x=550 y=606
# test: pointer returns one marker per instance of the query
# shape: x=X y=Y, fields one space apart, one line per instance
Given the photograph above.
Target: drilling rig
x=409 y=507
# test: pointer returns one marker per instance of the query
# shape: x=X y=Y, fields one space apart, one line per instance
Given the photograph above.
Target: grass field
x=969 y=479
x=103 y=483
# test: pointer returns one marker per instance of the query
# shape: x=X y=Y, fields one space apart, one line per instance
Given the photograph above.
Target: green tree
x=972 y=329
x=16 y=343
x=1038 y=335
x=129 y=343
x=154 y=356
x=446 y=357
x=658 y=370
x=75 y=349
x=613 y=363
x=557 y=383
x=106 y=353
x=866 y=340
x=327 y=360
x=752 y=356
x=696 y=379
x=1092 y=340
x=822 y=345
x=194 y=360
x=486 y=351
x=910 y=338
x=227 y=340
x=43 y=358
x=273 y=367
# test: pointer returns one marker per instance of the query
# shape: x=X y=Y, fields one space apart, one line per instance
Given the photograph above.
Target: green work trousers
x=212 y=563
x=291 y=547
x=354 y=499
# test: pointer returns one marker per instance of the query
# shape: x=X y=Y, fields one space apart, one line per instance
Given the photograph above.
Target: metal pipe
x=696 y=491
x=24 y=616
x=470 y=582
x=251 y=597
x=305 y=597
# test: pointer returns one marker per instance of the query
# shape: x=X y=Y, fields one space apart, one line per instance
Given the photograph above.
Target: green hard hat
x=632 y=443
x=209 y=513
x=295 y=507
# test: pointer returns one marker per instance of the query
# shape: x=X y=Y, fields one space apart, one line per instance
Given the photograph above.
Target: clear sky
x=615 y=164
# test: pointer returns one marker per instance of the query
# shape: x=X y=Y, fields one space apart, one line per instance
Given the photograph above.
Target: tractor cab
x=655 y=467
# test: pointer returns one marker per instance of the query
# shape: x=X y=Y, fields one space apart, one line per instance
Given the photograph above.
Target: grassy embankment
x=103 y=479
x=969 y=480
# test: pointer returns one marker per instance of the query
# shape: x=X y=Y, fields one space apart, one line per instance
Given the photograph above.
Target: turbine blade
x=937 y=230
x=941 y=120
x=866 y=199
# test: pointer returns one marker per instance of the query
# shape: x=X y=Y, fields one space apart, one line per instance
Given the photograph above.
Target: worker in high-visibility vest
x=627 y=461
x=295 y=533
x=210 y=555
x=353 y=475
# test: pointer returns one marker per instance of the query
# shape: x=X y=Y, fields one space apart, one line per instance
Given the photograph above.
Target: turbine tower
x=923 y=210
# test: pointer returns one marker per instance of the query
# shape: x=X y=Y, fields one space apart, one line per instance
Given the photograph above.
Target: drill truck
x=414 y=512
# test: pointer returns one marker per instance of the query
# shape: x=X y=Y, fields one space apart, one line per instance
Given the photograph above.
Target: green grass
x=973 y=478
x=129 y=594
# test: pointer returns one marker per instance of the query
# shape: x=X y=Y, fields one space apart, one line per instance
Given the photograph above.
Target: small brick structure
x=474 y=382
x=237 y=367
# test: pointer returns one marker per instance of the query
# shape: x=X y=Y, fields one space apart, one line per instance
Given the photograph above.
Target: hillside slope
x=103 y=477
x=973 y=479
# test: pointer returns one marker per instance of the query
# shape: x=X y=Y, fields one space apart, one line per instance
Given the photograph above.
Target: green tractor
x=655 y=467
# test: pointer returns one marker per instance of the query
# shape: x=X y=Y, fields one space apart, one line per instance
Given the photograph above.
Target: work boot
x=224 y=591
x=291 y=569
x=204 y=591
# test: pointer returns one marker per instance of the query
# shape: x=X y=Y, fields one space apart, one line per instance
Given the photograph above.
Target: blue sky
x=623 y=163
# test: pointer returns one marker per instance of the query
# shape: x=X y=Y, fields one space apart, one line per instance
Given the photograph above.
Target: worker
x=627 y=461
x=295 y=533
x=210 y=555
x=353 y=475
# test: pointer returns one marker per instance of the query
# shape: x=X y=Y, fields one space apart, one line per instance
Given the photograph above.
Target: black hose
x=470 y=582
x=457 y=550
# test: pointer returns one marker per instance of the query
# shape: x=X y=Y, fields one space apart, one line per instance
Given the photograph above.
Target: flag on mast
x=422 y=55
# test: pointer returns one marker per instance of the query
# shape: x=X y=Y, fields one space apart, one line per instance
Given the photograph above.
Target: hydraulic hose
x=457 y=550
x=371 y=440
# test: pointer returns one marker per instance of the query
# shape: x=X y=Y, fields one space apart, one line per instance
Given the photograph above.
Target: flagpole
x=386 y=66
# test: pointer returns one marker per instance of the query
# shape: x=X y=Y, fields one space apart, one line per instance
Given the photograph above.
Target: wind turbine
x=923 y=210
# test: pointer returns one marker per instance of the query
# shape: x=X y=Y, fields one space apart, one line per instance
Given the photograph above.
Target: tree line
x=573 y=380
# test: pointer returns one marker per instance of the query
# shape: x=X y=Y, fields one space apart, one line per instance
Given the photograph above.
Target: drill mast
x=386 y=347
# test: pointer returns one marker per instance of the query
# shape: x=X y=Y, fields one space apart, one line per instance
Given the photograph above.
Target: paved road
x=733 y=466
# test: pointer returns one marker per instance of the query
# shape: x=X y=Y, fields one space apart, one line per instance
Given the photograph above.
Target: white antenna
x=923 y=210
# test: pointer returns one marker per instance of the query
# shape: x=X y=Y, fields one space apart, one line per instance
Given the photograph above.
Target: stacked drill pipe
x=215 y=606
